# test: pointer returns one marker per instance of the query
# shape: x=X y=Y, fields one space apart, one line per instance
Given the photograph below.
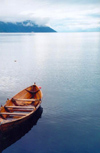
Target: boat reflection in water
x=9 y=137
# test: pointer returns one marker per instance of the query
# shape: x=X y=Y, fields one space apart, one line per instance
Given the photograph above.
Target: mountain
x=25 y=26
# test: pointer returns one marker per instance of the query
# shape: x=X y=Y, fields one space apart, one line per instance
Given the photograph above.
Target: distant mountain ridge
x=25 y=26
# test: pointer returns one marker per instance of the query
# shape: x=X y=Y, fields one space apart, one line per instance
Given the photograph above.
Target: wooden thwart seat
x=19 y=114
x=25 y=101
x=20 y=107
x=31 y=100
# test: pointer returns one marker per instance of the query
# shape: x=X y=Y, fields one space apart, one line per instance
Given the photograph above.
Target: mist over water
x=67 y=66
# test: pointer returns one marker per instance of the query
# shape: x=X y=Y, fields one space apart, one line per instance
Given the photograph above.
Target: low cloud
x=60 y=15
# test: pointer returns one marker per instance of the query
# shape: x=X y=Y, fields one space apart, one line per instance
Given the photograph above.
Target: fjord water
x=67 y=66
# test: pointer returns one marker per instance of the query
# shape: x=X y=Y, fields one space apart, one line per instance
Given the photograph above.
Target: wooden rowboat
x=20 y=107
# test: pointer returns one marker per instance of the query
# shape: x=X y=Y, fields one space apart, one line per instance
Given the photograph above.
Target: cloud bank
x=60 y=15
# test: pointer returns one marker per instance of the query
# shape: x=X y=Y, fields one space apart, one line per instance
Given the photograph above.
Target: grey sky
x=62 y=15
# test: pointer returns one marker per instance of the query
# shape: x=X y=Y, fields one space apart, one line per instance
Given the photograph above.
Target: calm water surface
x=67 y=66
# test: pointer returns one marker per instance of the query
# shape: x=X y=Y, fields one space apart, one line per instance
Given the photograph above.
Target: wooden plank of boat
x=20 y=107
x=21 y=110
x=19 y=114
x=26 y=99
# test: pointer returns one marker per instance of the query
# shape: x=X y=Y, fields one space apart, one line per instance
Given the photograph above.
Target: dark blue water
x=67 y=66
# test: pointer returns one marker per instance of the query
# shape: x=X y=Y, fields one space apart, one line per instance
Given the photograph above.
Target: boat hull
x=23 y=101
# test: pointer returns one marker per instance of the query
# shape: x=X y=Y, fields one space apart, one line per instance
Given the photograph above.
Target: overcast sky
x=61 y=15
